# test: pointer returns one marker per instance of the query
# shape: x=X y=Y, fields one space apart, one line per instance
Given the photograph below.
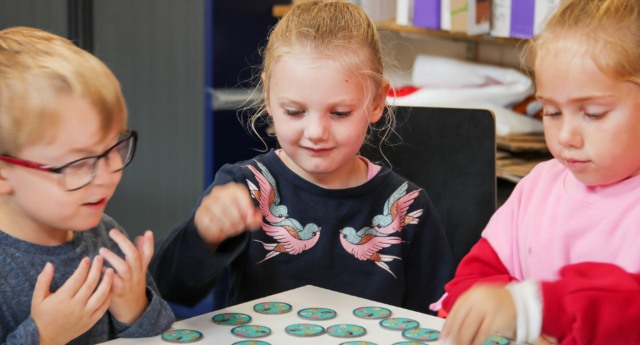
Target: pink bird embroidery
x=292 y=237
x=394 y=216
x=366 y=243
x=267 y=195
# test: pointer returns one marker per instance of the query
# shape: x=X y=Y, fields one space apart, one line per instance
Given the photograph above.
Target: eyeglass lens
x=82 y=172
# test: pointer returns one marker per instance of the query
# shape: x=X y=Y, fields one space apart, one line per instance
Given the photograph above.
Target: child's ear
x=5 y=186
x=264 y=95
x=379 y=103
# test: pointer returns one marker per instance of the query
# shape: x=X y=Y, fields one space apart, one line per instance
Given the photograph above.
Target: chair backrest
x=451 y=154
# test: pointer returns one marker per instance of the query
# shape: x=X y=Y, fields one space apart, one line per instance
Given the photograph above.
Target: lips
x=575 y=164
x=97 y=205
x=317 y=151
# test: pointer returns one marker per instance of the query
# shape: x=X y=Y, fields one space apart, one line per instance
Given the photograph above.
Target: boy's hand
x=479 y=313
x=128 y=292
x=77 y=305
x=226 y=212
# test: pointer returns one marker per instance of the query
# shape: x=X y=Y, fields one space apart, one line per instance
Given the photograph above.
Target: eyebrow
x=289 y=100
x=576 y=100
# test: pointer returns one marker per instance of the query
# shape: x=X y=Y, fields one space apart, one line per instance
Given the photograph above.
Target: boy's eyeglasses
x=81 y=172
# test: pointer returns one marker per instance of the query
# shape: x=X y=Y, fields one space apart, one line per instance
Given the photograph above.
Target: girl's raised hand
x=226 y=212
x=128 y=292
x=479 y=313
x=77 y=305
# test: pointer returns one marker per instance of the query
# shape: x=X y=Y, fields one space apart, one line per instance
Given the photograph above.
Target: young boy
x=63 y=144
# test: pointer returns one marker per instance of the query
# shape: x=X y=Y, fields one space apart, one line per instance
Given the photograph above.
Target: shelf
x=392 y=26
x=280 y=10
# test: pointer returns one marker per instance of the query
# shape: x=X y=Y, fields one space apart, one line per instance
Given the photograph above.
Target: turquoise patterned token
x=304 y=330
x=251 y=342
x=399 y=323
x=422 y=334
x=346 y=331
x=272 y=308
x=407 y=343
x=251 y=331
x=496 y=340
x=372 y=313
x=317 y=314
x=181 y=336
x=231 y=319
x=358 y=343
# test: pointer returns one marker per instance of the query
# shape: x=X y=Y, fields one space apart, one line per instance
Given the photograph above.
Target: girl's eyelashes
x=342 y=113
x=595 y=116
x=291 y=112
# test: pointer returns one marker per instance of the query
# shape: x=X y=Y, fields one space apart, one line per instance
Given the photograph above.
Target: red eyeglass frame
x=44 y=167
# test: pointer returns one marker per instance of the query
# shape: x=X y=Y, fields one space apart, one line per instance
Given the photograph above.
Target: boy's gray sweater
x=20 y=264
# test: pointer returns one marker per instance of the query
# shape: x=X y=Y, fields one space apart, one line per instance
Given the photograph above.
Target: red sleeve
x=481 y=265
x=592 y=303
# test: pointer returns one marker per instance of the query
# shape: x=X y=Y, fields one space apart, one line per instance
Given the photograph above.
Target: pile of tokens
x=409 y=328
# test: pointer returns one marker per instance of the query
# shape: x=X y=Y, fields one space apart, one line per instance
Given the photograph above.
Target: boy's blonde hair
x=36 y=69
x=611 y=29
x=340 y=31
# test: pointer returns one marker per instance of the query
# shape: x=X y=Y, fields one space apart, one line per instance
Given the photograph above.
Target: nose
x=570 y=134
x=317 y=127
x=104 y=175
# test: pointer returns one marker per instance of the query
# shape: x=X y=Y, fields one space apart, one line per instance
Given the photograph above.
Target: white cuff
x=527 y=298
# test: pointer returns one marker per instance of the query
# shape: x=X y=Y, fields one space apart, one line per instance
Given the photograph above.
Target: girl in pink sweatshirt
x=560 y=261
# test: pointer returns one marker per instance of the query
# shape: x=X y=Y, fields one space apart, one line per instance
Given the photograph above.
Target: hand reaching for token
x=77 y=305
x=226 y=212
x=479 y=313
x=128 y=292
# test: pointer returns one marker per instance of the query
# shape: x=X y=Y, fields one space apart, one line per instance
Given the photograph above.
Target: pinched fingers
x=85 y=291
x=100 y=299
x=43 y=284
x=119 y=265
x=144 y=245
x=71 y=286
x=132 y=257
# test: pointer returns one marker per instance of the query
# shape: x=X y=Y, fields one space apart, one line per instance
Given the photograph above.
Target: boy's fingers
x=122 y=267
x=92 y=280
x=128 y=249
x=102 y=293
x=144 y=244
x=71 y=286
x=43 y=284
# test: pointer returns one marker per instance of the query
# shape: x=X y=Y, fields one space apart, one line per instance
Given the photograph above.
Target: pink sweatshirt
x=553 y=220
x=568 y=253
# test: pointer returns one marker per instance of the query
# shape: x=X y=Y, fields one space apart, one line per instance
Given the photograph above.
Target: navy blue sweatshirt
x=315 y=236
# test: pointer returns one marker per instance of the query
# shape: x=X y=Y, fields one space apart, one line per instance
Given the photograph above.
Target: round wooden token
x=346 y=331
x=496 y=340
x=399 y=324
x=251 y=332
x=251 y=342
x=304 y=330
x=231 y=319
x=181 y=336
x=358 y=343
x=421 y=334
x=372 y=313
x=272 y=308
x=317 y=314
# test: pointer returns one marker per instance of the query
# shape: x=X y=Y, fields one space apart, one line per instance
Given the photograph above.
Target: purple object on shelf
x=426 y=14
x=522 y=18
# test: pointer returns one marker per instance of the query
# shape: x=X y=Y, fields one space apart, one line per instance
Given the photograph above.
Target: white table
x=304 y=297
